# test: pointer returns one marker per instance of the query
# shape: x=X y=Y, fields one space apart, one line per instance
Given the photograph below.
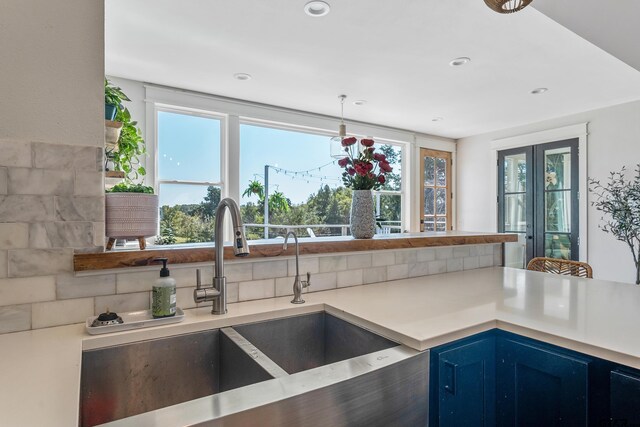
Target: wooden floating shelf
x=264 y=249
x=114 y=174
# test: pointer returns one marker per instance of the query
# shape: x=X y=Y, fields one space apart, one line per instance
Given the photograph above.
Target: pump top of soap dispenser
x=164 y=271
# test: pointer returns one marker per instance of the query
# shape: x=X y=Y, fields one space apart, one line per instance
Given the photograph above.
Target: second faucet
x=298 y=285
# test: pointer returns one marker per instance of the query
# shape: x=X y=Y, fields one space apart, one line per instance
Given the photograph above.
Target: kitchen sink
x=308 y=341
x=313 y=369
x=126 y=380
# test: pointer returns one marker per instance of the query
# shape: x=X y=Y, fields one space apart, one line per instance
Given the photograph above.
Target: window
x=189 y=175
x=388 y=200
x=295 y=172
x=435 y=192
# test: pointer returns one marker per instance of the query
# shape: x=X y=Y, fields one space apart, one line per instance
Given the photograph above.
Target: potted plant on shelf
x=131 y=213
x=131 y=208
x=113 y=98
x=619 y=199
x=364 y=171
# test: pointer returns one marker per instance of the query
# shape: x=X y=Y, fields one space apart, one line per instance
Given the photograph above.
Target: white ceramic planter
x=131 y=215
x=363 y=220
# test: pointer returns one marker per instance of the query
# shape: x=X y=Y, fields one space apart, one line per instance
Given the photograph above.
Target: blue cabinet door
x=625 y=398
x=538 y=386
x=463 y=384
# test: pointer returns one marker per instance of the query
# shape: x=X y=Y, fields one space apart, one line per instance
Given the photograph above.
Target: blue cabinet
x=625 y=397
x=463 y=383
x=540 y=385
x=501 y=379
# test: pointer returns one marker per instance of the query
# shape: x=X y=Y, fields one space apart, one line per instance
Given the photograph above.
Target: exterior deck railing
x=386 y=227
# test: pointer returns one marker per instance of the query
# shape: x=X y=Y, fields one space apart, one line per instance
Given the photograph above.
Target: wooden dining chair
x=561 y=266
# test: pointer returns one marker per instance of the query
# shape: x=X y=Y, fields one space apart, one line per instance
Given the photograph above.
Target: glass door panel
x=515 y=201
x=537 y=197
x=557 y=162
x=436 y=191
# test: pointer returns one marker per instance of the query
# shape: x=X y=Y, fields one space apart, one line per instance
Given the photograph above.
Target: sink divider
x=271 y=367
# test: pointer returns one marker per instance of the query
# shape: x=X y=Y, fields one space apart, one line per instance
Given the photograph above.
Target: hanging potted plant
x=364 y=171
x=131 y=208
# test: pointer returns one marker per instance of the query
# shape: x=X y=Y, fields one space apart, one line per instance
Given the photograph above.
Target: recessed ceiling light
x=242 y=76
x=360 y=102
x=437 y=119
x=459 y=61
x=317 y=8
x=539 y=90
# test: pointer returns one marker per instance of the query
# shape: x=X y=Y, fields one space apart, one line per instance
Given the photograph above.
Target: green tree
x=211 y=202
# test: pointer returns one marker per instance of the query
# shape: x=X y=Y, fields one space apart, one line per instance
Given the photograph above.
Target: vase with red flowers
x=364 y=170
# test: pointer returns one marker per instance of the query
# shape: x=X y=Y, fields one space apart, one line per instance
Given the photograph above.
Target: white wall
x=613 y=141
x=52 y=54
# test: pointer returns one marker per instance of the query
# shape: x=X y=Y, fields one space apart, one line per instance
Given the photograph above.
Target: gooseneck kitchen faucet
x=218 y=292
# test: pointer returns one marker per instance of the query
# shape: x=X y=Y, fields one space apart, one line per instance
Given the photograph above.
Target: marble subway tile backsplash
x=42 y=222
x=41 y=227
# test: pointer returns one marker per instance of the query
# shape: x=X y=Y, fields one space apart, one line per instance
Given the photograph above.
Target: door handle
x=450 y=378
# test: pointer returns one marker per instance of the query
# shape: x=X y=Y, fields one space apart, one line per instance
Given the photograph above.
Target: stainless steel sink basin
x=308 y=341
x=126 y=380
x=258 y=374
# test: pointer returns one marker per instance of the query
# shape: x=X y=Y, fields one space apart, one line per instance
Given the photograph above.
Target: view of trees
x=194 y=223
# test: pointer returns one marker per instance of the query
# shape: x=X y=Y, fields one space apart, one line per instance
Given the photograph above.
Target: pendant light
x=507 y=6
x=336 y=150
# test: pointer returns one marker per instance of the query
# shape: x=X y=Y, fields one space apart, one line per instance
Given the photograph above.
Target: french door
x=538 y=197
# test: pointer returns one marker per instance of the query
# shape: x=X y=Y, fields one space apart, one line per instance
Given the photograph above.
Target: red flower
x=367 y=142
x=343 y=162
x=368 y=166
x=361 y=169
x=380 y=157
x=370 y=150
x=349 y=141
x=351 y=171
x=381 y=179
x=385 y=167
x=370 y=175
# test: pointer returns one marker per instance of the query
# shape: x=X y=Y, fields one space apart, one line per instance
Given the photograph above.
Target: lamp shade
x=507 y=6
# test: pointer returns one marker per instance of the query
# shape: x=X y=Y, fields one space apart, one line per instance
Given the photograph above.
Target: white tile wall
x=27 y=290
x=62 y=312
x=350 y=278
x=256 y=289
x=61 y=297
x=332 y=263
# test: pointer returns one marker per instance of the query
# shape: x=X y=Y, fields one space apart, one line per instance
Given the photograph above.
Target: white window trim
x=579 y=131
x=238 y=111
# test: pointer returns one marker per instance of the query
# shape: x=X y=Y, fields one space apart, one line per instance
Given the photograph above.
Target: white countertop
x=40 y=369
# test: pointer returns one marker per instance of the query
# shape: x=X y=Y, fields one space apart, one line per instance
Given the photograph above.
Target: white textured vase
x=363 y=220
x=131 y=215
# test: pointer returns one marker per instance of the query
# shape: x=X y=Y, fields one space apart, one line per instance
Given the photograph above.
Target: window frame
x=438 y=154
x=235 y=111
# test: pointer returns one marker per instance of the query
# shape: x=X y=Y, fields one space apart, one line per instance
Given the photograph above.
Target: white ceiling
x=392 y=53
x=612 y=26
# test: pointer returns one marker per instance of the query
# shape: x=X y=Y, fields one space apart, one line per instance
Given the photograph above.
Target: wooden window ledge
x=183 y=254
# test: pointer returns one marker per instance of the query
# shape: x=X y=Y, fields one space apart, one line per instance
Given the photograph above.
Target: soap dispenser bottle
x=164 y=293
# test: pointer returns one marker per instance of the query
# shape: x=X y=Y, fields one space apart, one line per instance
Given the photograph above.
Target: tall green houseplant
x=619 y=200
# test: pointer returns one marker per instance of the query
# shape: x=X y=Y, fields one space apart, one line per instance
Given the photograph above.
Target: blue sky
x=189 y=149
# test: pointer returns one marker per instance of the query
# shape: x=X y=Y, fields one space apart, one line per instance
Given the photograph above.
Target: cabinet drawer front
x=540 y=387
